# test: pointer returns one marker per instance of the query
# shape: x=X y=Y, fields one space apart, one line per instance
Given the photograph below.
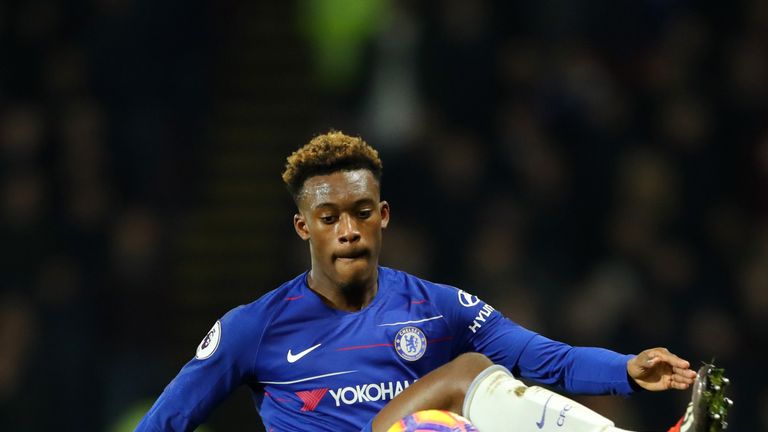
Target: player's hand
x=658 y=369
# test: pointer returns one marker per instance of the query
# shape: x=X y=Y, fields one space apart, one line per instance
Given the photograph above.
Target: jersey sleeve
x=223 y=361
x=580 y=370
x=478 y=327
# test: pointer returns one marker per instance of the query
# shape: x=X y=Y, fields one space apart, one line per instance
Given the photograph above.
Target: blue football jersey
x=314 y=368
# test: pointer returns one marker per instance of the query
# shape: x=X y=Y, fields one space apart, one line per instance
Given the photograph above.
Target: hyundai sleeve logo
x=467 y=300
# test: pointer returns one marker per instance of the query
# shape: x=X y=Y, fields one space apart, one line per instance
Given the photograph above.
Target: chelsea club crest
x=410 y=343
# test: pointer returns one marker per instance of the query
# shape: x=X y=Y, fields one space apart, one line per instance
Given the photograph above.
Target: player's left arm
x=581 y=370
x=594 y=370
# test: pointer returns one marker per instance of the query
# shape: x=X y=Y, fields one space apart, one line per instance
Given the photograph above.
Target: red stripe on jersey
x=418 y=301
x=276 y=399
x=436 y=340
x=294 y=298
x=311 y=398
x=364 y=347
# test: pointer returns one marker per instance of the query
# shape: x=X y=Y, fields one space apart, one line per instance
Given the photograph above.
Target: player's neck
x=350 y=298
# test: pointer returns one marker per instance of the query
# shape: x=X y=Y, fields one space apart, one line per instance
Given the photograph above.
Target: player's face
x=342 y=217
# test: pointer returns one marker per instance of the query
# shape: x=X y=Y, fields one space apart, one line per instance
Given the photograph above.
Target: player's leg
x=489 y=401
x=443 y=388
x=498 y=402
x=492 y=399
x=708 y=409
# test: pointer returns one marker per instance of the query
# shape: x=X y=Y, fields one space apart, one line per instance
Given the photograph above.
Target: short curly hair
x=326 y=154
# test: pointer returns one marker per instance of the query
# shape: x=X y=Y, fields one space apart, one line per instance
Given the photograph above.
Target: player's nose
x=348 y=229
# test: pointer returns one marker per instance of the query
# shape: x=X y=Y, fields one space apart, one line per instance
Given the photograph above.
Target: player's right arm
x=223 y=361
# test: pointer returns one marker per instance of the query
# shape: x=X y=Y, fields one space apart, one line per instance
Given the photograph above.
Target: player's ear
x=384 y=211
x=300 y=225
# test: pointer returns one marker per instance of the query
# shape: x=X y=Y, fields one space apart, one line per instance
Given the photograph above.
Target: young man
x=329 y=349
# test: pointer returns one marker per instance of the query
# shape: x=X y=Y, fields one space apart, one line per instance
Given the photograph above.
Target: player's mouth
x=351 y=256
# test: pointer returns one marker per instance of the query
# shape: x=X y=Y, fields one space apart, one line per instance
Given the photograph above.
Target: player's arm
x=222 y=362
x=591 y=370
x=581 y=370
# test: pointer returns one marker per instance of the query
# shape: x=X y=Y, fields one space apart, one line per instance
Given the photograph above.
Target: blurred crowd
x=598 y=171
x=93 y=114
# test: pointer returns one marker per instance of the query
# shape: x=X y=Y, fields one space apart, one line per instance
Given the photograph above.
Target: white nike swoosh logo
x=296 y=357
x=307 y=378
x=412 y=322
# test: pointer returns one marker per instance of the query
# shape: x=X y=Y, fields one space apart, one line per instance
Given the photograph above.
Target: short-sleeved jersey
x=312 y=367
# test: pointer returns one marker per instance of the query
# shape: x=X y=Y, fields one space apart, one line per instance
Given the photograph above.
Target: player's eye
x=328 y=219
x=364 y=214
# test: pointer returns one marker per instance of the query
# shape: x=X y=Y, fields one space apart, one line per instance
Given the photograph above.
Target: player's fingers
x=655 y=355
x=679 y=385
x=689 y=374
x=663 y=354
x=682 y=377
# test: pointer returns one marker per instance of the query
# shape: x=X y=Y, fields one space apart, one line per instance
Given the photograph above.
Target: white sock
x=497 y=402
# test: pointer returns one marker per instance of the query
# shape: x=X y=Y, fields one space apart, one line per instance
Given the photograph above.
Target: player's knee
x=466 y=367
x=472 y=361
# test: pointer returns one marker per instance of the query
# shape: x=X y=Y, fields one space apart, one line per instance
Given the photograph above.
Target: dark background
x=596 y=170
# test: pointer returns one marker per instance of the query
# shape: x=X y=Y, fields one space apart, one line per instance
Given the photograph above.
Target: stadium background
x=596 y=170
